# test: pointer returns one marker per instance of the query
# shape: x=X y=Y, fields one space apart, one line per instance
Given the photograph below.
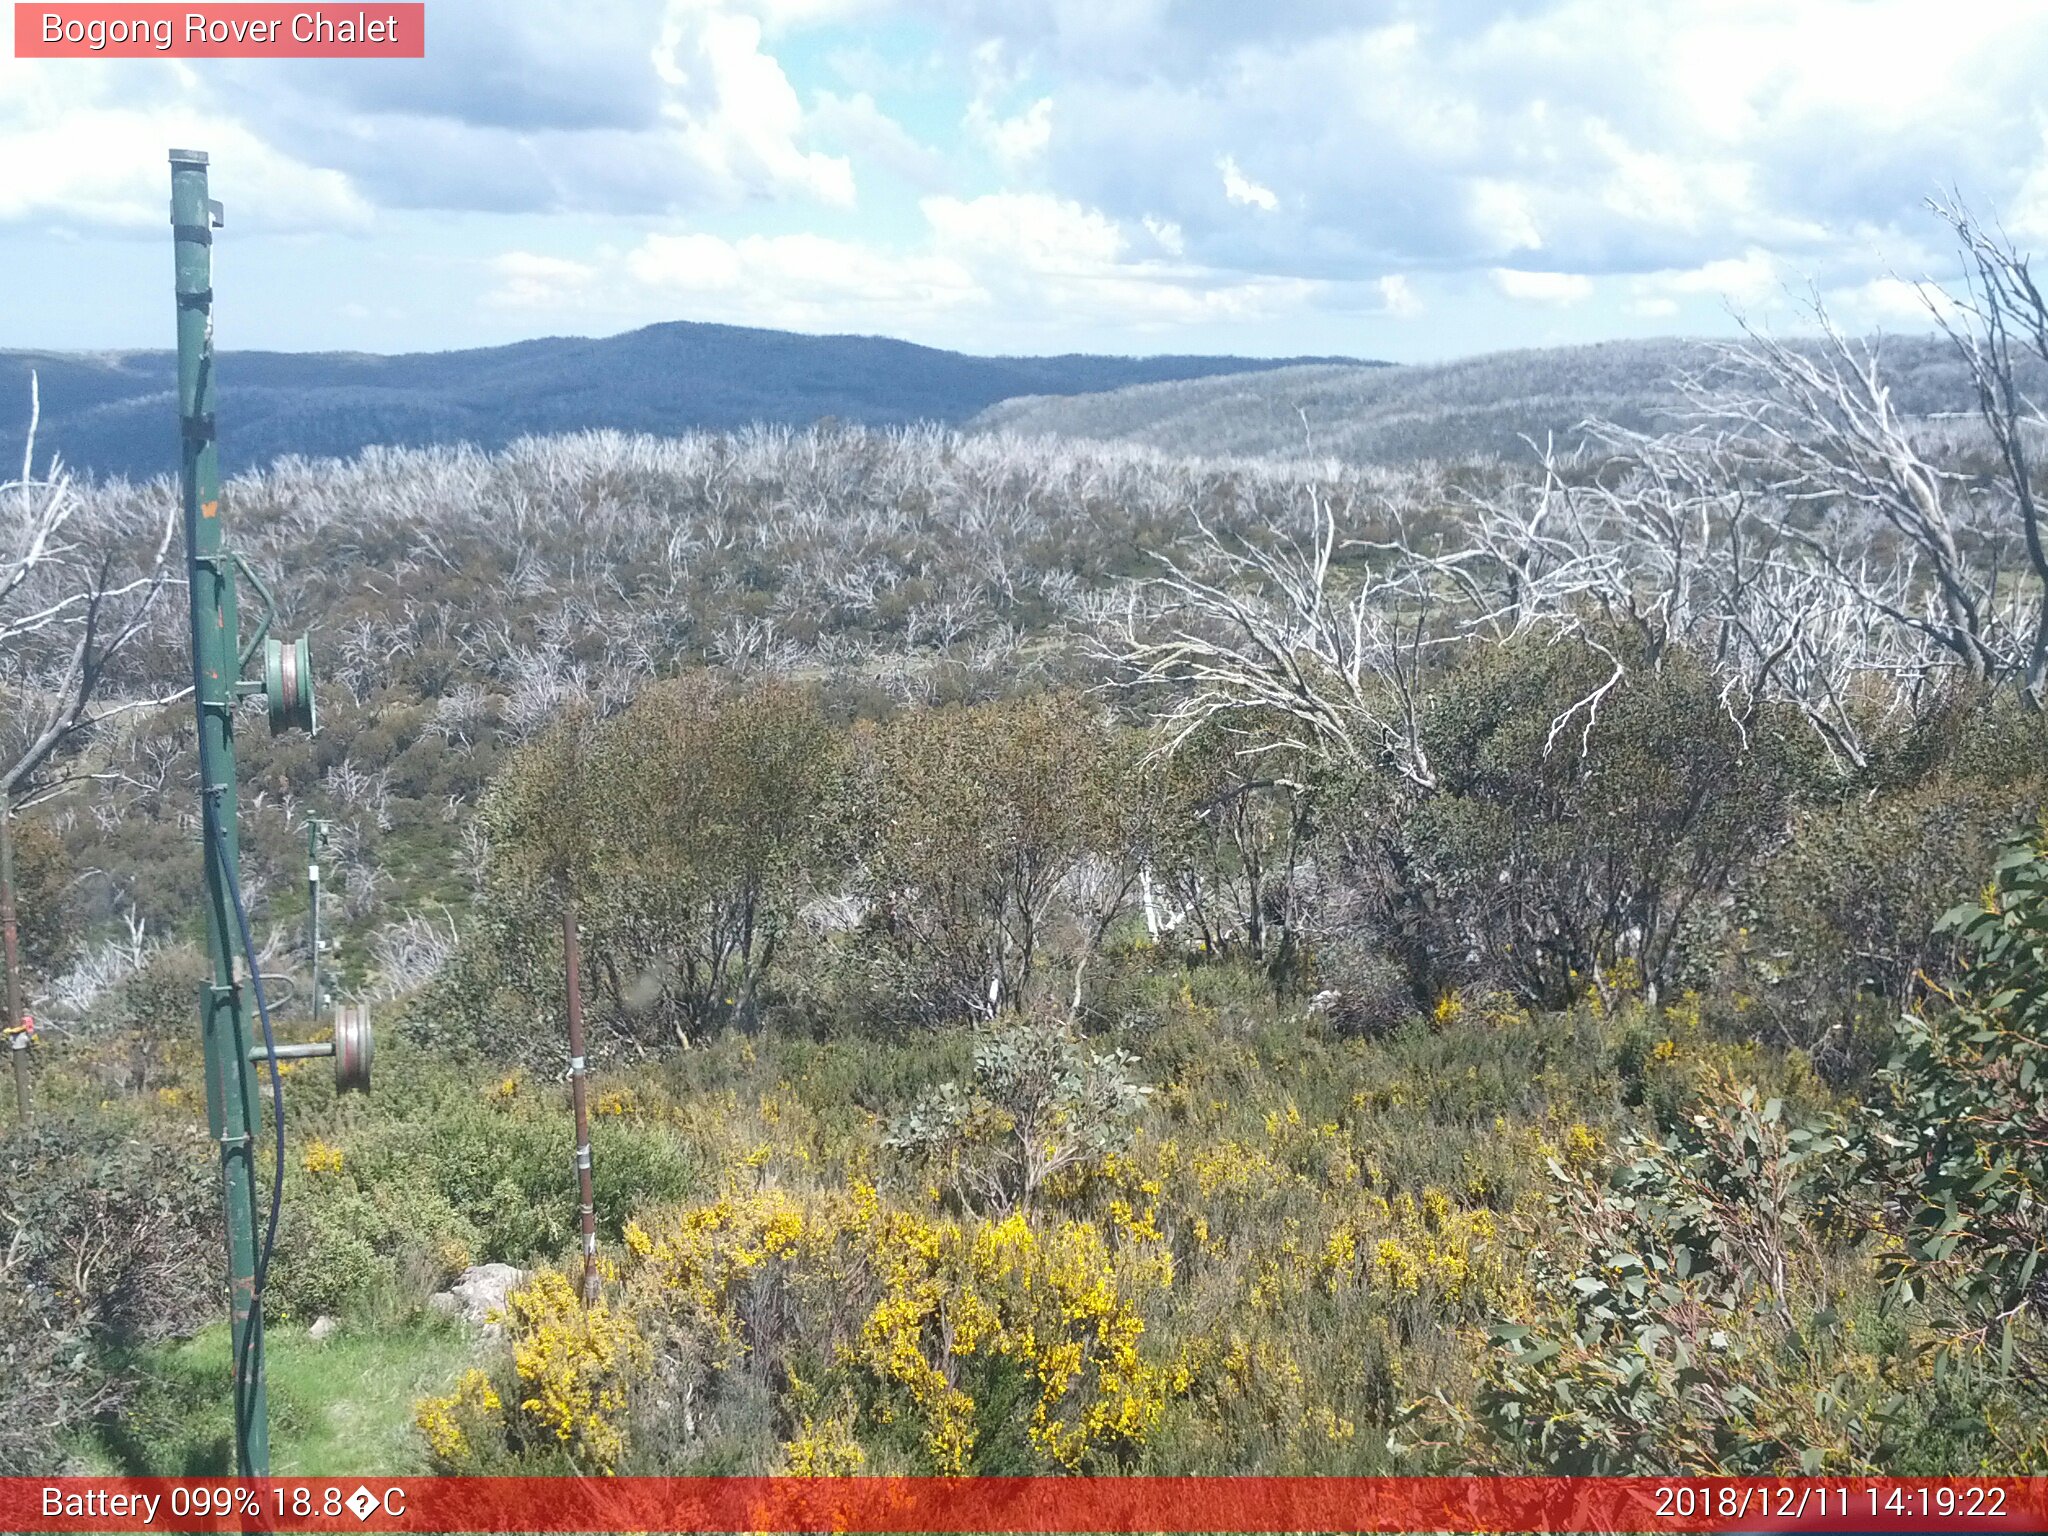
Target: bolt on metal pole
x=230 y=1079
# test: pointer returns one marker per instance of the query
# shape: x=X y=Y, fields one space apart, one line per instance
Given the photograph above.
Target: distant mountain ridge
x=115 y=413
x=1454 y=411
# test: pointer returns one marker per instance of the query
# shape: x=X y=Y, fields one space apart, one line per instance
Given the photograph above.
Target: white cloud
x=1652 y=159
x=636 y=107
x=1652 y=187
x=1240 y=188
x=1167 y=234
x=1054 y=257
x=1013 y=139
x=695 y=262
x=1740 y=281
x=2027 y=213
x=1501 y=214
x=1008 y=263
x=1033 y=229
x=1017 y=140
x=855 y=123
x=802 y=282
x=1887 y=301
x=734 y=110
x=781 y=15
x=1612 y=136
x=105 y=166
x=1744 y=279
x=530 y=281
x=1543 y=287
x=1399 y=296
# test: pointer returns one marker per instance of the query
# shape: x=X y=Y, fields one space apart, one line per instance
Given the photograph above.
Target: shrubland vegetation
x=1099 y=962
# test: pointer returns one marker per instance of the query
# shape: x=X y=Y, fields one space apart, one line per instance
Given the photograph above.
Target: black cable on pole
x=217 y=840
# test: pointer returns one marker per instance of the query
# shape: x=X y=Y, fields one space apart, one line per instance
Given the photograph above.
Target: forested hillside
x=1096 y=960
x=1473 y=407
x=116 y=414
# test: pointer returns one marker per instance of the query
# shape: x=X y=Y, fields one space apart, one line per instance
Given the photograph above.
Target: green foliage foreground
x=1604 y=1239
x=978 y=1091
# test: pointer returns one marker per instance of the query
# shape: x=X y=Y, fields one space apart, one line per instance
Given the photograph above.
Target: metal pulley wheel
x=352 y=1048
x=288 y=684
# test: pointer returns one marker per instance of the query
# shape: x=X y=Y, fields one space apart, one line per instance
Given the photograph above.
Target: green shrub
x=1842 y=926
x=1682 y=1320
x=990 y=843
x=685 y=828
x=1228 y=836
x=389 y=1199
x=111 y=1224
x=347 y=1242
x=153 y=1010
x=1573 y=826
x=1038 y=1102
x=46 y=926
x=1958 y=1134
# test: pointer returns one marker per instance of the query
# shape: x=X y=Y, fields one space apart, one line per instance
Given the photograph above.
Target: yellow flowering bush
x=1297 y=1238
x=452 y=1425
x=825 y=1448
x=940 y=1296
x=575 y=1365
x=1583 y=1147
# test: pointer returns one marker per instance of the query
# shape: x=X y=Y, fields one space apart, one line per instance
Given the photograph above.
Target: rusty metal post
x=579 y=1095
x=11 y=942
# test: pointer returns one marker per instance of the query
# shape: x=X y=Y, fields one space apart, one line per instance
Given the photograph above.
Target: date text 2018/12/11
x=1810 y=1501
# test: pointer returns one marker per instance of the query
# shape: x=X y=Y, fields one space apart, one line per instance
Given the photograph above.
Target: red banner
x=367 y=29
x=1034 y=1504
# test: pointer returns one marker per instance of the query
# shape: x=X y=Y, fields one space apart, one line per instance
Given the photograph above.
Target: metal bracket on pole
x=352 y=1049
x=269 y=610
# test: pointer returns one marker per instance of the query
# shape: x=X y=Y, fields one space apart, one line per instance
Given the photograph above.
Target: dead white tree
x=1895 y=534
x=1783 y=536
x=1680 y=538
x=1268 y=639
x=75 y=592
x=1997 y=324
x=409 y=953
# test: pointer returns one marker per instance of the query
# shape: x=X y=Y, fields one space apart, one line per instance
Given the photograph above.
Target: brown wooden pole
x=579 y=1095
x=10 y=941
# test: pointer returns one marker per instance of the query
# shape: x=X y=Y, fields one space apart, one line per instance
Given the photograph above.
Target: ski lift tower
x=220 y=657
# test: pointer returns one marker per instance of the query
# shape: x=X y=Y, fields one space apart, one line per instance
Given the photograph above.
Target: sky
x=1403 y=179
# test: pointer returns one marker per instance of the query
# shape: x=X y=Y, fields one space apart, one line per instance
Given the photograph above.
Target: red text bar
x=1028 y=1504
x=372 y=30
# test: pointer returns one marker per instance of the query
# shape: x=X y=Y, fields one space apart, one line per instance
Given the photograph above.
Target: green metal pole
x=230 y=1080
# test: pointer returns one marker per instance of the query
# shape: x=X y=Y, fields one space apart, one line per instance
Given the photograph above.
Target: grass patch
x=342 y=1408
